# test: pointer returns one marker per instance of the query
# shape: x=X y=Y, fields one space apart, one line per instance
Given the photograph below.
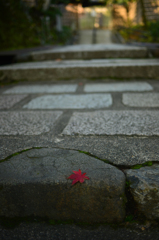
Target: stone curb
x=144 y=187
x=35 y=183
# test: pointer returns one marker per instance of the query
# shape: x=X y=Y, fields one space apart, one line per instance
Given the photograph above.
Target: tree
x=126 y=4
x=17 y=30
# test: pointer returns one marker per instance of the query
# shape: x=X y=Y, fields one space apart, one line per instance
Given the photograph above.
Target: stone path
x=101 y=36
x=105 y=129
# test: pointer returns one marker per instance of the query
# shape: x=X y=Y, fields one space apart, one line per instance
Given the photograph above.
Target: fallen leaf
x=78 y=177
x=58 y=60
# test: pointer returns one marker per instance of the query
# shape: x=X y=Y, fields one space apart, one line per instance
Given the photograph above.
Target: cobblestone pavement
x=74 y=123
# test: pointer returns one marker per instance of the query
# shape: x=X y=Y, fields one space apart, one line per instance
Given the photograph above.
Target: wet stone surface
x=70 y=101
x=42 y=174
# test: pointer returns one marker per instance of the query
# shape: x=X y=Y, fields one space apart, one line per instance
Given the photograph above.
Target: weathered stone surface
x=118 y=87
x=144 y=186
x=53 y=70
x=114 y=123
x=70 y=101
x=43 y=89
x=141 y=99
x=89 y=51
x=9 y=101
x=27 y=123
x=35 y=183
x=118 y=150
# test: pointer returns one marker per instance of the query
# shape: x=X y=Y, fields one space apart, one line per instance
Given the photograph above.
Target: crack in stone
x=119 y=167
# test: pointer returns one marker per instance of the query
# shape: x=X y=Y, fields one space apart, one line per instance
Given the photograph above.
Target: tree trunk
x=143 y=13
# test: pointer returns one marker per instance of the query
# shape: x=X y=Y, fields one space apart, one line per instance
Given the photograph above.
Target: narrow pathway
x=95 y=36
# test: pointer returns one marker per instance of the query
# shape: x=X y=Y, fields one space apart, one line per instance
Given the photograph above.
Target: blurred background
x=36 y=23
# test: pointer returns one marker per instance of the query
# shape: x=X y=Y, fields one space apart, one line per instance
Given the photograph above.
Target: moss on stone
x=138 y=166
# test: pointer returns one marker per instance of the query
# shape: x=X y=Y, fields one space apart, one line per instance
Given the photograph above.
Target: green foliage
x=16 y=28
x=148 y=163
x=128 y=184
x=61 y=37
x=141 y=34
x=138 y=166
x=153 y=28
x=129 y=218
x=23 y=27
x=17 y=153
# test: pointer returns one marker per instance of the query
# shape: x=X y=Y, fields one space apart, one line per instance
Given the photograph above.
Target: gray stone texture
x=118 y=87
x=35 y=183
x=118 y=150
x=90 y=51
x=27 y=123
x=70 y=101
x=114 y=123
x=43 y=89
x=9 y=101
x=144 y=186
x=141 y=99
x=53 y=70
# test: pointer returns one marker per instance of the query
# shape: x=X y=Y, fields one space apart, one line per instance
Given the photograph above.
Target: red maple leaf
x=78 y=177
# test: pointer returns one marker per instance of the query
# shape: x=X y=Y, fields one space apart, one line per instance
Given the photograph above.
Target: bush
x=153 y=28
x=17 y=30
x=142 y=34
x=62 y=37
x=22 y=27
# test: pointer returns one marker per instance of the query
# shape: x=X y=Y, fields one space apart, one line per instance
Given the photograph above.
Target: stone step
x=70 y=69
x=36 y=183
x=88 y=51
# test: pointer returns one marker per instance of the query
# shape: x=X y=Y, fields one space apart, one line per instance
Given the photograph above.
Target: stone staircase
x=108 y=129
x=85 y=61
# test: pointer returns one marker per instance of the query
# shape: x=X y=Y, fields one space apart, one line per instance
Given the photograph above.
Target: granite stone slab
x=10 y=100
x=27 y=123
x=43 y=89
x=36 y=183
x=144 y=187
x=81 y=101
x=141 y=99
x=67 y=69
x=118 y=150
x=118 y=87
x=90 y=51
x=90 y=48
x=113 y=122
